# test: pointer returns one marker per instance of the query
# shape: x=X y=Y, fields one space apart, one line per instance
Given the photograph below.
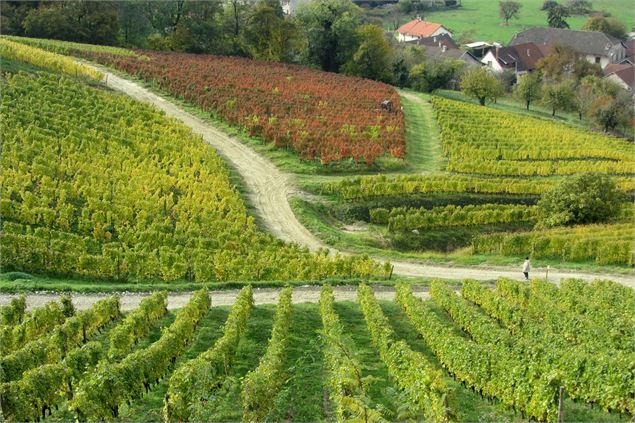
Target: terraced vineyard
x=485 y=355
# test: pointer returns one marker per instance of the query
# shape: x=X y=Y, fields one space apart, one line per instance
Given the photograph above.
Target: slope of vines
x=97 y=185
x=488 y=141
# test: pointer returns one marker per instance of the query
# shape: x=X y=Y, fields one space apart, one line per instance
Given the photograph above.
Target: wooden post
x=547 y=274
x=560 y=404
x=392 y=268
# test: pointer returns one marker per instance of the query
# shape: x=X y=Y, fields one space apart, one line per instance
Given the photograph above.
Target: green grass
x=85 y=286
x=482 y=17
x=303 y=397
x=423 y=141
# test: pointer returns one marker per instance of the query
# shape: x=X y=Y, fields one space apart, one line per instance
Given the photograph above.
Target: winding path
x=269 y=190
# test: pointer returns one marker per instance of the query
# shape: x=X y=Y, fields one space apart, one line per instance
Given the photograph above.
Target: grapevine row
x=75 y=331
x=137 y=324
x=39 y=322
x=421 y=380
x=260 y=386
x=606 y=244
x=606 y=304
x=68 y=47
x=346 y=387
x=99 y=395
x=368 y=187
x=500 y=143
x=44 y=387
x=14 y=312
x=44 y=59
x=605 y=379
x=406 y=219
x=196 y=378
x=541 y=302
x=489 y=369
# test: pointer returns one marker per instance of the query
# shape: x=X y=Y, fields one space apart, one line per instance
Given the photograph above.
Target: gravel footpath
x=129 y=301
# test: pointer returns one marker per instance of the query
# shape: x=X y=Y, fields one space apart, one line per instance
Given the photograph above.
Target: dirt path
x=130 y=301
x=269 y=190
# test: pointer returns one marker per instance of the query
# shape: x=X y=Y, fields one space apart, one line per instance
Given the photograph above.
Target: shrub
x=585 y=198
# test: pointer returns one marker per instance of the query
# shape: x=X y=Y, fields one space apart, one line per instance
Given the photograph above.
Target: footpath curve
x=269 y=190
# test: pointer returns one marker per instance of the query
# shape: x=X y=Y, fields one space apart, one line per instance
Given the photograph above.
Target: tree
x=268 y=36
x=82 y=21
x=481 y=84
x=580 y=199
x=579 y=7
x=558 y=96
x=556 y=15
x=330 y=29
x=548 y=4
x=585 y=95
x=373 y=58
x=528 y=88
x=509 y=9
x=608 y=112
x=562 y=61
x=608 y=25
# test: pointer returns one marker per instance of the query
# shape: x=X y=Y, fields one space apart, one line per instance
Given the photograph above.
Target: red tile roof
x=419 y=28
x=627 y=75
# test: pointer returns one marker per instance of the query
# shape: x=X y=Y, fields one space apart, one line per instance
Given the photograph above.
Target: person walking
x=526 y=268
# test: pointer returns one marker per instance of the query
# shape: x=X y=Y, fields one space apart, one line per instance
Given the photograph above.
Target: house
x=597 y=47
x=520 y=58
x=289 y=7
x=622 y=74
x=418 y=28
x=479 y=49
x=435 y=41
x=630 y=52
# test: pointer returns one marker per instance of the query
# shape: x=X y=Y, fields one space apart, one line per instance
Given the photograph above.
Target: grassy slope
x=423 y=142
x=482 y=16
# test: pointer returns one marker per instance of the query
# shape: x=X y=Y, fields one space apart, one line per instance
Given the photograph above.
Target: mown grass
x=482 y=19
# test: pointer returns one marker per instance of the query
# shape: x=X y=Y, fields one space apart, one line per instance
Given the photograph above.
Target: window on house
x=489 y=63
x=597 y=59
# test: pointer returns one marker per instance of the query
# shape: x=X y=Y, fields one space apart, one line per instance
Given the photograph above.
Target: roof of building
x=436 y=41
x=521 y=57
x=419 y=28
x=436 y=52
x=627 y=75
x=587 y=42
x=615 y=67
x=478 y=44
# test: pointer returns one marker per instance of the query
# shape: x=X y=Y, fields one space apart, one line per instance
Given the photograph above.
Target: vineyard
x=490 y=355
x=486 y=141
x=97 y=185
x=319 y=115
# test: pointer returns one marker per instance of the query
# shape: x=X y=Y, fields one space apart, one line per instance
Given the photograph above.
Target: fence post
x=392 y=268
x=547 y=274
x=560 y=404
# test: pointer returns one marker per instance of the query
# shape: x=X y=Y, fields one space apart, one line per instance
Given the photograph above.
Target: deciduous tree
x=529 y=88
x=558 y=96
x=509 y=9
x=481 y=84
x=556 y=15
x=374 y=56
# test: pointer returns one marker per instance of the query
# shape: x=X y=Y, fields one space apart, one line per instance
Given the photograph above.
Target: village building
x=519 y=58
x=418 y=28
x=596 y=47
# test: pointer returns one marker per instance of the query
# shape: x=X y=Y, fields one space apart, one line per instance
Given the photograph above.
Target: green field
x=481 y=17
